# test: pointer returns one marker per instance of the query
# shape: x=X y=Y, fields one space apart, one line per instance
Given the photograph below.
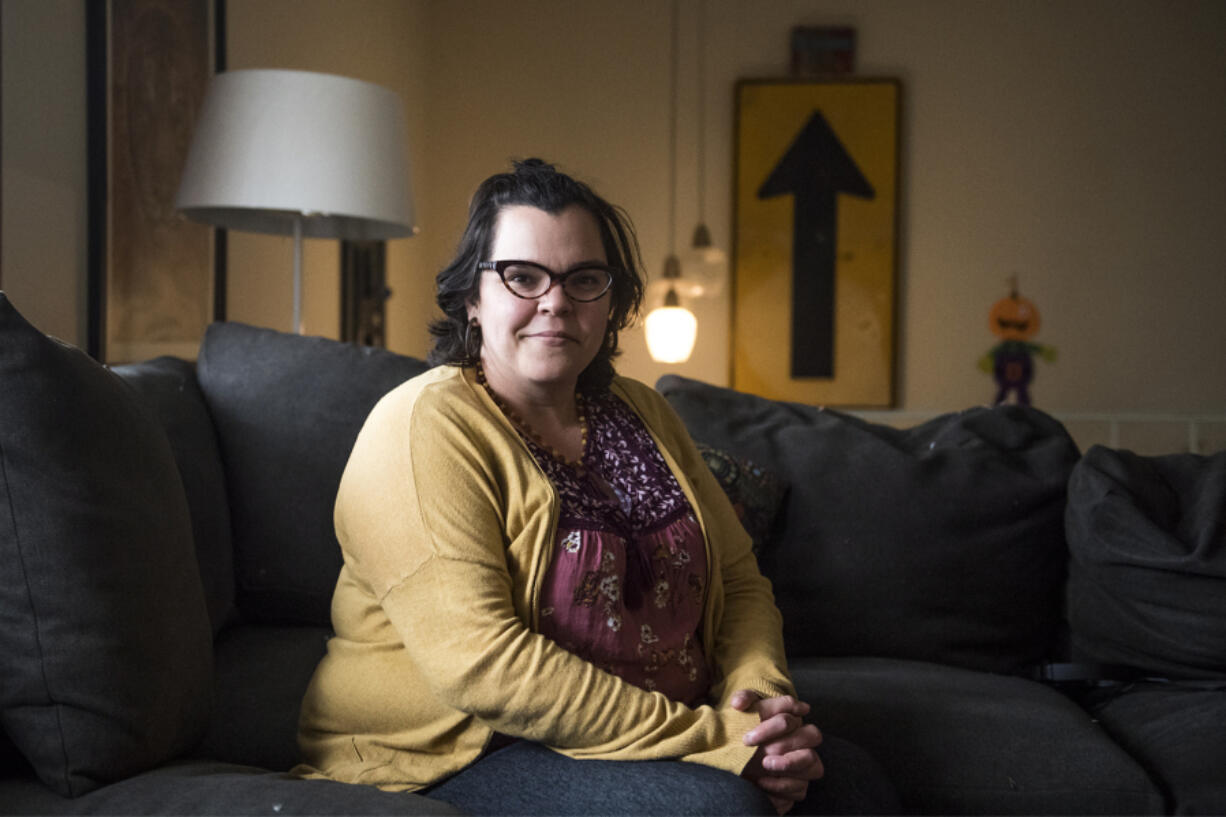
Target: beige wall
x=43 y=235
x=1077 y=144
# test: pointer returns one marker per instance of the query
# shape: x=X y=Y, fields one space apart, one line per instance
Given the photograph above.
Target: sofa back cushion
x=942 y=542
x=1147 y=579
x=105 y=643
x=255 y=711
x=287 y=409
x=167 y=387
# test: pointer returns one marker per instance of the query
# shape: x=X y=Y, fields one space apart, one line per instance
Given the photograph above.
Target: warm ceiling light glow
x=671 y=331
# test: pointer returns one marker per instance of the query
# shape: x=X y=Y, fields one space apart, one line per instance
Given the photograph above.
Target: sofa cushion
x=287 y=409
x=958 y=741
x=105 y=643
x=1147 y=579
x=943 y=542
x=1175 y=731
x=12 y=761
x=168 y=387
x=255 y=712
x=756 y=493
x=202 y=787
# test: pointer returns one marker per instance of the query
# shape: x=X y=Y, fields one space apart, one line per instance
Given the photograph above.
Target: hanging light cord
x=702 y=104
x=672 y=138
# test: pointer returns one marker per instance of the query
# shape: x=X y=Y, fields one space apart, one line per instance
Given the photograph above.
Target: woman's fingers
x=803 y=764
x=789 y=788
x=784 y=778
x=807 y=736
x=746 y=699
x=772 y=729
x=769 y=707
x=743 y=700
x=784 y=726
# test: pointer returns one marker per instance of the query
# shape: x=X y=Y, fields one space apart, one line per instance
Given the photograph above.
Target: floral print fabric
x=627 y=582
x=756 y=494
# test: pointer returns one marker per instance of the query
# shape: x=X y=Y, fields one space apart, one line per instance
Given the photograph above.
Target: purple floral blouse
x=627 y=582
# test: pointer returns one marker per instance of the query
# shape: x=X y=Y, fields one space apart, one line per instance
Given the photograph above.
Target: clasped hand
x=785 y=761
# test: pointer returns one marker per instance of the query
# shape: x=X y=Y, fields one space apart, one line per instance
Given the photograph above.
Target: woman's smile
x=551 y=337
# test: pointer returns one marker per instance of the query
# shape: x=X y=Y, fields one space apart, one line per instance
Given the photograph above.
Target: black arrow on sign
x=815 y=169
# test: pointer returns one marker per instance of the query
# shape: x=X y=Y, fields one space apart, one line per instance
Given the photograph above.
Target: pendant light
x=671 y=328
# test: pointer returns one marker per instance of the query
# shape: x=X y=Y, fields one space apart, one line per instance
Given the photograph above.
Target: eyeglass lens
x=583 y=284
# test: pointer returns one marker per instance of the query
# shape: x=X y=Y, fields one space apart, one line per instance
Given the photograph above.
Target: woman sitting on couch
x=541 y=577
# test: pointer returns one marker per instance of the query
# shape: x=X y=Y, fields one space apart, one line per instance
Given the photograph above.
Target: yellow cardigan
x=447 y=526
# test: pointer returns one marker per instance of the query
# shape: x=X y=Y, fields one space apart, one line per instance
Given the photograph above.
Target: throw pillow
x=105 y=643
x=943 y=542
x=287 y=409
x=756 y=493
x=1147 y=579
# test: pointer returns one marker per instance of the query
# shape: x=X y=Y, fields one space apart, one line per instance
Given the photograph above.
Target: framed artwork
x=156 y=280
x=815 y=240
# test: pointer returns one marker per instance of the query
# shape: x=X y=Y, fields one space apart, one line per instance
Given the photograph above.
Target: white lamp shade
x=671 y=331
x=272 y=147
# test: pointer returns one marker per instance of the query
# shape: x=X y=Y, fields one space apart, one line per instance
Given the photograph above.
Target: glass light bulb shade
x=703 y=272
x=671 y=332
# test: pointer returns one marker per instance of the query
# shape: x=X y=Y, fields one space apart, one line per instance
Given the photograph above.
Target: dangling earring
x=472 y=354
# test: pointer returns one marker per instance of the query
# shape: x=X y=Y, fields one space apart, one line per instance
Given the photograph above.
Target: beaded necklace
x=522 y=424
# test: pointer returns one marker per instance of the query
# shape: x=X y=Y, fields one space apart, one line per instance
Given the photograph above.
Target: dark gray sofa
x=930 y=577
x=165 y=531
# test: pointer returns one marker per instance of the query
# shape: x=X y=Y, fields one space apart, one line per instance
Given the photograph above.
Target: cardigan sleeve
x=423 y=515
x=748 y=648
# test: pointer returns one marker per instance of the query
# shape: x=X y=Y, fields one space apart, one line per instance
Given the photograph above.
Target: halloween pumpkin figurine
x=1015 y=320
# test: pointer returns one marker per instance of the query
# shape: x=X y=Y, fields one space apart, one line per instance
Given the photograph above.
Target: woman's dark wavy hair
x=536 y=184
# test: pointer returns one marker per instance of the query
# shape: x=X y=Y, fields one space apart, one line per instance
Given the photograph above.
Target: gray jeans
x=527 y=778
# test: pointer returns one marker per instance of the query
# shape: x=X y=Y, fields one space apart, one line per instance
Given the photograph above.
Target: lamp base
x=298 y=274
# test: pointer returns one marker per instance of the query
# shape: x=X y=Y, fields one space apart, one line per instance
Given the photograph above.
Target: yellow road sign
x=815 y=240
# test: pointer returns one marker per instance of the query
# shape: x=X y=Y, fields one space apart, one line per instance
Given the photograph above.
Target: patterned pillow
x=756 y=493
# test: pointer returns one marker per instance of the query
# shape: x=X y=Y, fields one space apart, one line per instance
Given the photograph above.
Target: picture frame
x=154 y=280
x=815 y=240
